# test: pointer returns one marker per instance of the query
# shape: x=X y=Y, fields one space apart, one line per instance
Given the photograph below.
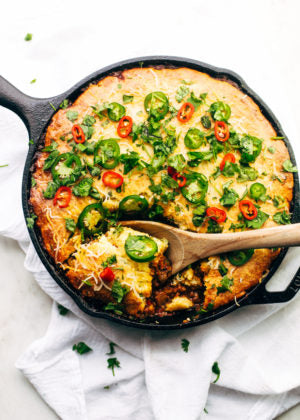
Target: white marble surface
x=24 y=308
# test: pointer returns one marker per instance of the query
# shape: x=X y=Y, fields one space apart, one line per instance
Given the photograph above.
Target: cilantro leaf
x=50 y=190
x=70 y=225
x=118 y=291
x=177 y=162
x=30 y=221
x=216 y=370
x=113 y=363
x=114 y=307
x=109 y=261
x=181 y=93
x=62 y=310
x=72 y=115
x=81 y=348
x=64 y=104
x=229 y=197
x=226 y=283
x=259 y=220
x=111 y=348
x=185 y=344
x=28 y=37
x=50 y=160
x=82 y=189
x=53 y=146
x=282 y=218
x=289 y=167
x=130 y=160
x=127 y=99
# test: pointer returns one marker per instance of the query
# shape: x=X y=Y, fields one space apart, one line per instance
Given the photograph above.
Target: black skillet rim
x=116 y=70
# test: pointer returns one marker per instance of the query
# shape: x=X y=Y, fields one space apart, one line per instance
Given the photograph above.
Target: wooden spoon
x=187 y=247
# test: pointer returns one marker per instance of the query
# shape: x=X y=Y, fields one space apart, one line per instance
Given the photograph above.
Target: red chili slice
x=62 y=197
x=218 y=215
x=171 y=171
x=248 y=209
x=125 y=126
x=181 y=179
x=112 y=179
x=221 y=131
x=107 y=275
x=185 y=113
x=78 y=134
x=227 y=158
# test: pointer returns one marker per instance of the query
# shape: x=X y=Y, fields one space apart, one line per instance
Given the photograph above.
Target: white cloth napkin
x=257 y=347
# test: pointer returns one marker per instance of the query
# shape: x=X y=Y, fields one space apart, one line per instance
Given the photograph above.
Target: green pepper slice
x=92 y=219
x=156 y=105
x=66 y=169
x=195 y=188
x=133 y=204
x=194 y=138
x=140 y=248
x=107 y=153
x=257 y=190
x=238 y=258
x=250 y=148
x=115 y=111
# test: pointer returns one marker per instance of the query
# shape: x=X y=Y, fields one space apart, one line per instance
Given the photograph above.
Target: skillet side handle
x=264 y=296
x=34 y=112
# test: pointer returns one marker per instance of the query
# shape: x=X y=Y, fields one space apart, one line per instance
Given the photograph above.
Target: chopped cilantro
x=62 y=310
x=111 y=348
x=181 y=93
x=278 y=200
x=127 y=99
x=130 y=160
x=118 y=291
x=52 y=146
x=109 y=261
x=81 y=348
x=64 y=104
x=229 y=197
x=72 y=115
x=82 y=189
x=185 y=344
x=226 y=283
x=222 y=269
x=70 y=225
x=28 y=37
x=50 y=190
x=213 y=227
x=33 y=182
x=52 y=106
x=32 y=81
x=119 y=86
x=113 y=363
x=271 y=150
x=288 y=166
x=114 y=307
x=259 y=220
x=30 y=221
x=282 y=218
x=216 y=370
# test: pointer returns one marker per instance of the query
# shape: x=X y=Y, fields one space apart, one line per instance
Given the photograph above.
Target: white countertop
x=24 y=308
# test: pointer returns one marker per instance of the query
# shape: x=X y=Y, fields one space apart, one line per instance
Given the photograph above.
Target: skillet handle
x=263 y=296
x=34 y=112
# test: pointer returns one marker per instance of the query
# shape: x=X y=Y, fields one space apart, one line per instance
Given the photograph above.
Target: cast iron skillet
x=37 y=113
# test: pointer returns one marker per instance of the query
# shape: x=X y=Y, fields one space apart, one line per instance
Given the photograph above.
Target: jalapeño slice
x=92 y=219
x=133 y=204
x=257 y=190
x=115 y=111
x=156 y=105
x=194 y=138
x=107 y=153
x=195 y=188
x=238 y=258
x=66 y=169
x=140 y=248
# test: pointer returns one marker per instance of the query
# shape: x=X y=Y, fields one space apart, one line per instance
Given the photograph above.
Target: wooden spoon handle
x=281 y=236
